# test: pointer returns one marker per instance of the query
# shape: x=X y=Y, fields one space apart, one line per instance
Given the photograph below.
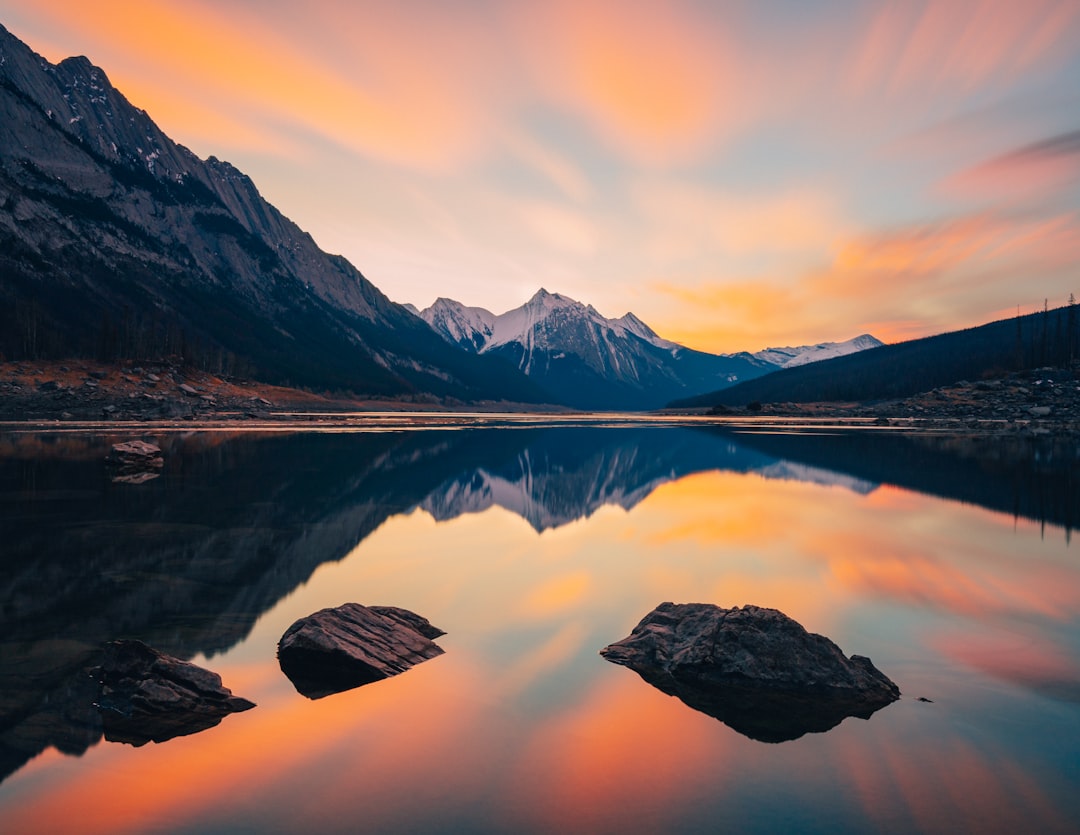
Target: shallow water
x=947 y=561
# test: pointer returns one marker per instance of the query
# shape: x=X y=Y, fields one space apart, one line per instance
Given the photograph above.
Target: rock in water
x=338 y=649
x=132 y=461
x=146 y=695
x=755 y=669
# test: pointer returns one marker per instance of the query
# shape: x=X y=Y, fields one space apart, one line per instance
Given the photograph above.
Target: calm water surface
x=947 y=561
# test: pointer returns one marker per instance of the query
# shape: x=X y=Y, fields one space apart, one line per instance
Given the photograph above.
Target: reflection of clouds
x=617 y=758
x=556 y=596
x=526 y=670
x=926 y=575
x=1032 y=663
x=902 y=786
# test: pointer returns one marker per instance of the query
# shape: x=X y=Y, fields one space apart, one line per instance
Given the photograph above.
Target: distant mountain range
x=1049 y=338
x=590 y=361
x=806 y=354
x=119 y=244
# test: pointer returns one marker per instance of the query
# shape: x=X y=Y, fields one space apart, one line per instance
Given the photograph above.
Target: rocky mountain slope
x=117 y=242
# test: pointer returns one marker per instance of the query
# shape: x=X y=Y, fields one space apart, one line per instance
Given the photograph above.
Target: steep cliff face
x=117 y=241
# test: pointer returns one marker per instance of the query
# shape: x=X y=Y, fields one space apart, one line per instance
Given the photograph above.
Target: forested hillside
x=1047 y=338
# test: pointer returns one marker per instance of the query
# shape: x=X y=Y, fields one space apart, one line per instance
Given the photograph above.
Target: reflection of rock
x=756 y=670
x=338 y=649
x=149 y=696
x=140 y=477
x=66 y=720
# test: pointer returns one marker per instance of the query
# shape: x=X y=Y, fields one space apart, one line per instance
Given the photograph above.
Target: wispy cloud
x=1037 y=170
x=907 y=282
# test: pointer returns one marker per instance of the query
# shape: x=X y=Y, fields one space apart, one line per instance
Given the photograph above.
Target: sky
x=740 y=175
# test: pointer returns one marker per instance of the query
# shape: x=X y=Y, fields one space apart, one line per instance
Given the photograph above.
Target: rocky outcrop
x=352 y=645
x=148 y=696
x=755 y=669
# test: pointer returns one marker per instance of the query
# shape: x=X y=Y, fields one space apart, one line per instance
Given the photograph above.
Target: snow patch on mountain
x=531 y=325
x=467 y=327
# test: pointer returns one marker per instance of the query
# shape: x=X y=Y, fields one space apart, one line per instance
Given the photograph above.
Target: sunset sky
x=738 y=174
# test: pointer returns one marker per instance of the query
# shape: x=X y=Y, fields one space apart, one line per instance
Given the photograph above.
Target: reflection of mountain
x=792 y=471
x=186 y=562
x=1033 y=477
x=567 y=474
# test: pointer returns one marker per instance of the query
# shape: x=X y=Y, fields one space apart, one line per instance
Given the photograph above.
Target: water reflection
x=241 y=535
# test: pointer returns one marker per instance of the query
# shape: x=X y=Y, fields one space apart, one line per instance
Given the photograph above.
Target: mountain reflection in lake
x=947 y=561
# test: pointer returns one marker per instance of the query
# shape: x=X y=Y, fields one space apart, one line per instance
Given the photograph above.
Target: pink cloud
x=960 y=44
x=1037 y=170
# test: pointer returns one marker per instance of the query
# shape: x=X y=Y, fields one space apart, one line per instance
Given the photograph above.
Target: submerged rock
x=148 y=696
x=339 y=649
x=755 y=669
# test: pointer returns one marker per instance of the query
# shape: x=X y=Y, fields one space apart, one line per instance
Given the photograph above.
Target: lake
x=946 y=560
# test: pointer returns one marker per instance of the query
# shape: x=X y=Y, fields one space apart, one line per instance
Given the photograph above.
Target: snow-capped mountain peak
x=466 y=327
x=788 y=357
x=635 y=326
x=521 y=323
x=584 y=358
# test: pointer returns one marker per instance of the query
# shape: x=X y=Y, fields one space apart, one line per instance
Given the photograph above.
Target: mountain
x=585 y=359
x=117 y=242
x=469 y=328
x=792 y=357
x=1051 y=337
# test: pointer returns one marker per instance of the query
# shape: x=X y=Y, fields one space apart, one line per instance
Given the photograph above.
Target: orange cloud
x=365 y=89
x=643 y=75
x=909 y=282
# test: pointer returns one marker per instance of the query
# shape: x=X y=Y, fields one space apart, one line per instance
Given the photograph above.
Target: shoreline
x=90 y=397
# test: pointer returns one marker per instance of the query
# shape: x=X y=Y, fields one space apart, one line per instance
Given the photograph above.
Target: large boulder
x=352 y=645
x=148 y=696
x=755 y=669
